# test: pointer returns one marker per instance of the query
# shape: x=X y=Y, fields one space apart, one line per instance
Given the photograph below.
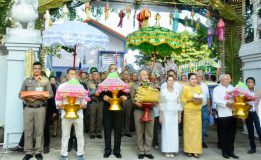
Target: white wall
x=3 y=71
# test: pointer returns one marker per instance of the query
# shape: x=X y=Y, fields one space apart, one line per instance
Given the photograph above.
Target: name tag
x=39 y=89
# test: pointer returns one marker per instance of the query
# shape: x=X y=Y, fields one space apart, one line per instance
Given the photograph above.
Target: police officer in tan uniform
x=96 y=105
x=127 y=106
x=34 y=113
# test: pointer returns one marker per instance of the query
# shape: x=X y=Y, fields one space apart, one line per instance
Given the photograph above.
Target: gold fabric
x=28 y=63
x=192 y=129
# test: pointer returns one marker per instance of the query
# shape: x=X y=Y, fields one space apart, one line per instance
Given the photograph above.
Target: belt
x=36 y=106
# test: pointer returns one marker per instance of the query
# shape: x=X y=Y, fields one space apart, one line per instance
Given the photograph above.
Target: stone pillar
x=17 y=41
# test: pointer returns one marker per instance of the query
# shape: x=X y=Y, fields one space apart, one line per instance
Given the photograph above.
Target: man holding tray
x=35 y=91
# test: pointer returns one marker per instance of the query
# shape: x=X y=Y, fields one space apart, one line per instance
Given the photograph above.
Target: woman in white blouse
x=170 y=116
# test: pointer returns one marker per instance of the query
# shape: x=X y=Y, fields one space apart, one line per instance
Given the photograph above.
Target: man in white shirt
x=67 y=123
x=227 y=123
x=206 y=110
x=253 y=118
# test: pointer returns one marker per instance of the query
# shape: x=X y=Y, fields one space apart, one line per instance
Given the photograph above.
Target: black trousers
x=112 y=120
x=252 y=120
x=156 y=131
x=227 y=128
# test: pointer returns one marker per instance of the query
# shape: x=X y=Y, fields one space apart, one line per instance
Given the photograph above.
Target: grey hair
x=223 y=76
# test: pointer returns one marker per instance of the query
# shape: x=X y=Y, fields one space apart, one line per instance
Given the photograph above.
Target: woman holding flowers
x=191 y=98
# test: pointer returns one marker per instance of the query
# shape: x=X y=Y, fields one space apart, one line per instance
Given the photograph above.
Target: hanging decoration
x=170 y=18
x=192 y=16
x=175 y=19
x=208 y=17
x=107 y=10
x=146 y=14
x=198 y=24
x=220 y=31
x=87 y=10
x=47 y=19
x=140 y=19
x=157 y=18
x=186 y=21
x=65 y=12
x=128 y=11
x=210 y=36
x=121 y=15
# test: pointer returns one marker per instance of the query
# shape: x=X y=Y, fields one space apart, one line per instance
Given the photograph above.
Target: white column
x=17 y=42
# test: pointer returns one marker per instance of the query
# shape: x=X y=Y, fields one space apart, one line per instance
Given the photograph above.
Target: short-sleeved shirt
x=41 y=84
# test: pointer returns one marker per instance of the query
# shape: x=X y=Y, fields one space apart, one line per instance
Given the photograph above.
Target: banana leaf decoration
x=175 y=19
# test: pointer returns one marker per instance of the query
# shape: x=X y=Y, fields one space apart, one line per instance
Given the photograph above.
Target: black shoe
x=204 y=145
x=46 y=150
x=99 y=136
x=27 y=157
x=251 y=151
x=233 y=156
x=128 y=135
x=150 y=156
x=226 y=156
x=140 y=156
x=17 y=149
x=106 y=155
x=117 y=155
x=92 y=136
x=39 y=157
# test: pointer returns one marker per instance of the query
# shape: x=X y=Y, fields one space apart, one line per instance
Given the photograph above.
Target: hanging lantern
x=192 y=16
x=175 y=19
x=146 y=14
x=107 y=11
x=157 y=18
x=186 y=21
x=87 y=10
x=140 y=19
x=121 y=15
x=220 y=31
x=210 y=36
x=198 y=24
x=208 y=17
x=128 y=11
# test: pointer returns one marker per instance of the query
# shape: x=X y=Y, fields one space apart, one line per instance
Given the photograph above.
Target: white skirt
x=170 y=132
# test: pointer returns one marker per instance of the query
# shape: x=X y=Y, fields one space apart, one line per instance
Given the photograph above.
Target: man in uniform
x=34 y=113
x=144 y=130
x=127 y=106
x=96 y=105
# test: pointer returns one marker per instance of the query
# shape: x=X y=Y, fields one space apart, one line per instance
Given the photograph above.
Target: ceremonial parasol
x=155 y=40
x=72 y=34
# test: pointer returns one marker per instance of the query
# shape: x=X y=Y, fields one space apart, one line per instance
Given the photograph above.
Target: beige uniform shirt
x=41 y=84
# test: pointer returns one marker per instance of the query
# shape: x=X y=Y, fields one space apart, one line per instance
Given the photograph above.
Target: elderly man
x=144 y=130
x=227 y=123
x=206 y=110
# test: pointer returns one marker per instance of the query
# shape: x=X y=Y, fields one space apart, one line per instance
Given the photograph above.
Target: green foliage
x=5 y=21
x=249 y=32
x=232 y=60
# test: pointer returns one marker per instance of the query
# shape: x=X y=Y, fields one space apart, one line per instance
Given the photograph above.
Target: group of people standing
x=187 y=103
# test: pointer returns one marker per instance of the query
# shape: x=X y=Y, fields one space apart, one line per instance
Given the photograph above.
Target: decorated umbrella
x=155 y=40
x=72 y=34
